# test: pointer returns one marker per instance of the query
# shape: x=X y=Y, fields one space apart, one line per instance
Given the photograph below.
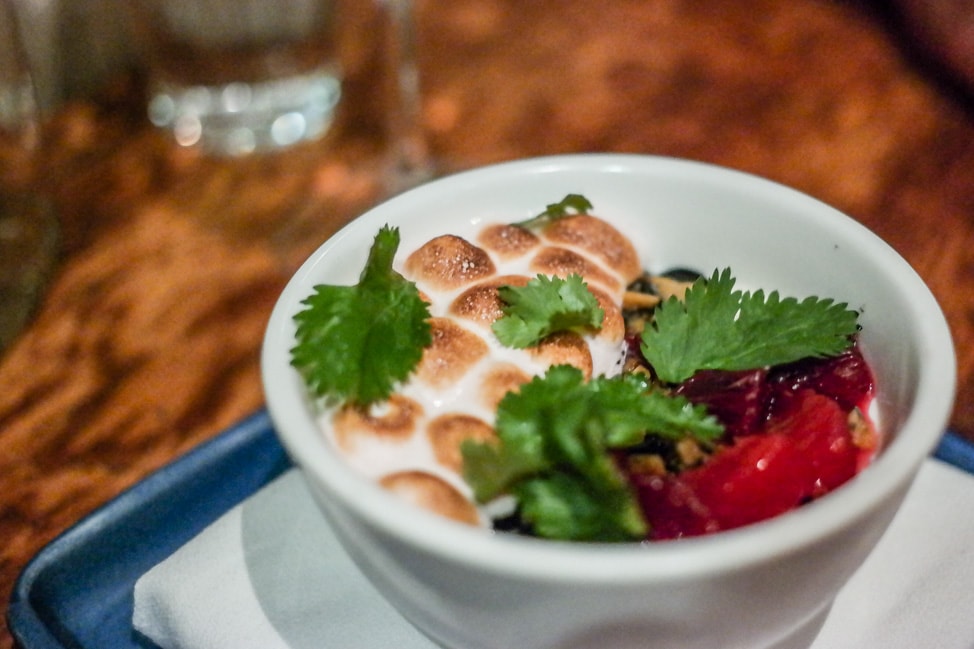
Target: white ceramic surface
x=766 y=585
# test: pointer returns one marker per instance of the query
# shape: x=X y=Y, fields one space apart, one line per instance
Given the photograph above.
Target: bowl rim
x=567 y=562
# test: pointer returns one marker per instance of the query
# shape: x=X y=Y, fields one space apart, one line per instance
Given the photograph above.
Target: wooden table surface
x=146 y=342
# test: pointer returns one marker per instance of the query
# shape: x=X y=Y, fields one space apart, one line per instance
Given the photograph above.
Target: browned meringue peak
x=507 y=241
x=448 y=431
x=448 y=262
x=453 y=352
x=500 y=379
x=394 y=420
x=562 y=262
x=481 y=302
x=431 y=493
x=613 y=325
x=565 y=348
x=600 y=239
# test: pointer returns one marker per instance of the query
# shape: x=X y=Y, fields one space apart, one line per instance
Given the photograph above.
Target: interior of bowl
x=678 y=214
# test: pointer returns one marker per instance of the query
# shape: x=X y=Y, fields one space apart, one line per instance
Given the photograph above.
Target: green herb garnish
x=545 y=305
x=356 y=342
x=718 y=328
x=556 y=437
x=553 y=211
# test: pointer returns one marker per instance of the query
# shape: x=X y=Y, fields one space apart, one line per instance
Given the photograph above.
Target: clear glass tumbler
x=28 y=228
x=238 y=76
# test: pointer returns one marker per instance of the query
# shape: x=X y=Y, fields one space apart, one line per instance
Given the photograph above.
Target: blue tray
x=77 y=592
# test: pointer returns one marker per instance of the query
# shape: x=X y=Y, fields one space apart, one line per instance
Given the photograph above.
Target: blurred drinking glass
x=28 y=229
x=238 y=76
x=411 y=161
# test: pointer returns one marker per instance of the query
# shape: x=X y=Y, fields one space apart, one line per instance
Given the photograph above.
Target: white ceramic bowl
x=766 y=585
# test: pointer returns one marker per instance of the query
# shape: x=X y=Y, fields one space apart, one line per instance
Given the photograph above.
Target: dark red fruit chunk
x=738 y=399
x=845 y=378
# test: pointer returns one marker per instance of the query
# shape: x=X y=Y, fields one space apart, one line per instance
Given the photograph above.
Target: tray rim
x=31 y=631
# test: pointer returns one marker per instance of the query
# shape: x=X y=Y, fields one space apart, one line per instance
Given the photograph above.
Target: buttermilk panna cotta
x=537 y=365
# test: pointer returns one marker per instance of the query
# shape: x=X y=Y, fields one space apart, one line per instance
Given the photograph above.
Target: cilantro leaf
x=565 y=507
x=719 y=328
x=670 y=416
x=554 y=451
x=555 y=211
x=355 y=343
x=544 y=306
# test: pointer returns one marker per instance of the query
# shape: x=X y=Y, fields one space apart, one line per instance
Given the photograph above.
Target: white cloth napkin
x=270 y=574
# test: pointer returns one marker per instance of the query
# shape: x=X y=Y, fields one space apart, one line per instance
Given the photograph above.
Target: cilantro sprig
x=719 y=328
x=545 y=305
x=354 y=343
x=556 y=436
x=572 y=203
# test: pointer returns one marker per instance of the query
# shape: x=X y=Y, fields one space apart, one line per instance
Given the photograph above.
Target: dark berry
x=738 y=399
x=846 y=378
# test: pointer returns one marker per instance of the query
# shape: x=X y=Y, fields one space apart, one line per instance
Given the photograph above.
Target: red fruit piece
x=672 y=508
x=820 y=429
